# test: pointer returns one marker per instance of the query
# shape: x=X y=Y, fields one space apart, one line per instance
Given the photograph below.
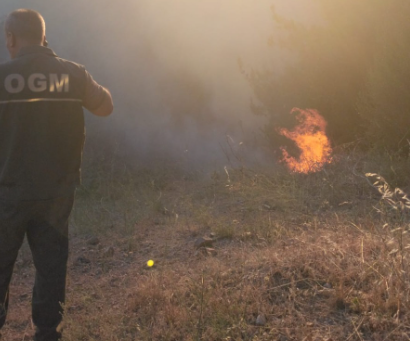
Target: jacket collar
x=36 y=49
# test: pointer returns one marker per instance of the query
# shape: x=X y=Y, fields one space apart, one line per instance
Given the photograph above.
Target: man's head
x=24 y=27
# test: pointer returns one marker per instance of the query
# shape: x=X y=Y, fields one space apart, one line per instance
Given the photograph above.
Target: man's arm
x=97 y=99
x=106 y=107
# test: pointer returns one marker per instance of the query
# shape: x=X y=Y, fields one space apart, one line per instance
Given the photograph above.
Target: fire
x=310 y=137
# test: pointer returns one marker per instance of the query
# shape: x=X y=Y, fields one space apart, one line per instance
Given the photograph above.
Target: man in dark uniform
x=41 y=140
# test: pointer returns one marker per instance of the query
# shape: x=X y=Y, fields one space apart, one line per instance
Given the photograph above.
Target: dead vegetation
x=295 y=257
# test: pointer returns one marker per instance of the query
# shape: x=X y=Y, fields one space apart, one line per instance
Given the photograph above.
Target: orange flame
x=310 y=137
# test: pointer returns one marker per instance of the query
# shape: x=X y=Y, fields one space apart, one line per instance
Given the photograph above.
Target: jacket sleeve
x=95 y=95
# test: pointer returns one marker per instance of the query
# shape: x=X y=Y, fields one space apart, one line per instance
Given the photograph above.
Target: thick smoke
x=172 y=67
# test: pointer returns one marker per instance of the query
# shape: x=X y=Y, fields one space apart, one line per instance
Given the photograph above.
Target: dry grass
x=319 y=255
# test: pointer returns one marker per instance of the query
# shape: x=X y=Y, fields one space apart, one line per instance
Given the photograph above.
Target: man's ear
x=11 y=39
x=45 y=42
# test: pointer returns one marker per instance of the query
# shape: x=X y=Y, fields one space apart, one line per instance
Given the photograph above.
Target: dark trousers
x=46 y=225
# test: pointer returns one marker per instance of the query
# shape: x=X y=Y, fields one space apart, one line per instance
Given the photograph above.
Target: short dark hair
x=26 y=24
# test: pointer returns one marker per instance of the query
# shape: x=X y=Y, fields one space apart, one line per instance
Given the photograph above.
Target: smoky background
x=175 y=72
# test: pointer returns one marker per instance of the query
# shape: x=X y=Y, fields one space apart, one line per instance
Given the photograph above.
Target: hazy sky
x=172 y=66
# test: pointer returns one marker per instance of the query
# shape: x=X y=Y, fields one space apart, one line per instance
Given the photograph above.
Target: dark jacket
x=41 y=125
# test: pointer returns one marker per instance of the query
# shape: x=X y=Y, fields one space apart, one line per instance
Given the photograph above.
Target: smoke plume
x=172 y=67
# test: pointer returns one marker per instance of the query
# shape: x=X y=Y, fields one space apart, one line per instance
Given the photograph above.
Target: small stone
x=204 y=242
x=23 y=296
x=211 y=252
x=81 y=260
x=93 y=241
x=328 y=286
x=261 y=320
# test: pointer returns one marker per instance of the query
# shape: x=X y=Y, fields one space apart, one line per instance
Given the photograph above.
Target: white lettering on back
x=59 y=84
x=8 y=83
x=37 y=82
